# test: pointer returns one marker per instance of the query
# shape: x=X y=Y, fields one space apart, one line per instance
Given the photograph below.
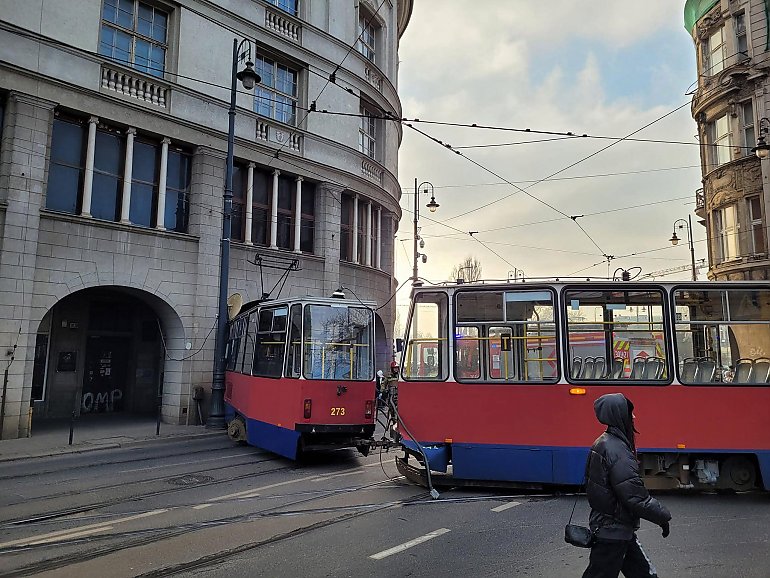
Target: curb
x=83 y=449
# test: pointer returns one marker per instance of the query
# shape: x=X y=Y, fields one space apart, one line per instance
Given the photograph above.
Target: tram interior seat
x=600 y=368
x=690 y=370
x=588 y=368
x=617 y=368
x=637 y=368
x=653 y=368
x=577 y=367
x=707 y=368
x=762 y=370
x=744 y=371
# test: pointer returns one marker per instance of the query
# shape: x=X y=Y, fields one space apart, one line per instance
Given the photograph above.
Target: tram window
x=270 y=342
x=467 y=353
x=294 y=357
x=237 y=329
x=249 y=345
x=723 y=336
x=426 y=349
x=479 y=306
x=615 y=334
x=338 y=342
x=519 y=346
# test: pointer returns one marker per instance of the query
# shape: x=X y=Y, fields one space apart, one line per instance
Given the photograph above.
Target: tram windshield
x=723 y=336
x=615 y=334
x=338 y=342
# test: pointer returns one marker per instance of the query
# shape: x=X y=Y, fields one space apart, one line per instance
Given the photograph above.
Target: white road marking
x=202 y=506
x=505 y=506
x=182 y=464
x=253 y=493
x=407 y=545
x=60 y=533
x=323 y=478
x=71 y=536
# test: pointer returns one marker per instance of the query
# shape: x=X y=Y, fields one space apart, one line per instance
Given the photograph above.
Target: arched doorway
x=101 y=351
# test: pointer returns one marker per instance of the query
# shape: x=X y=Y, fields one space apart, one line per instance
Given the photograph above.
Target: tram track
x=30 y=521
x=116 y=542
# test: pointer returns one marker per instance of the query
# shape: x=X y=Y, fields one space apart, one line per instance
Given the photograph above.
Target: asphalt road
x=207 y=507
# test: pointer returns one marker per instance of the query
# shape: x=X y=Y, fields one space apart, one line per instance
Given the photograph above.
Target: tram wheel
x=738 y=473
x=236 y=430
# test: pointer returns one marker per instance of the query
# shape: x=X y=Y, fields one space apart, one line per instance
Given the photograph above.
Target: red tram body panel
x=516 y=420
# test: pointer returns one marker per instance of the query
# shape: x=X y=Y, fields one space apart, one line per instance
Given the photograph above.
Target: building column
x=88 y=183
x=354 y=256
x=368 y=244
x=274 y=211
x=297 y=215
x=249 y=203
x=128 y=167
x=378 y=260
x=160 y=220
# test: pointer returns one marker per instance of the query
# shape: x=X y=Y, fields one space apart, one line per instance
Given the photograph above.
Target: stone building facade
x=112 y=165
x=730 y=105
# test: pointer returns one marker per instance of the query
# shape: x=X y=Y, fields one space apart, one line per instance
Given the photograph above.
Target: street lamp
x=432 y=206
x=248 y=78
x=681 y=224
x=762 y=150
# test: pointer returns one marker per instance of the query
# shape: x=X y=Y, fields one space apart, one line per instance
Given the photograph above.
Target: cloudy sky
x=603 y=68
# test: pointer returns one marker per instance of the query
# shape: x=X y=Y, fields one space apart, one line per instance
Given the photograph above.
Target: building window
x=757 y=228
x=65 y=173
x=714 y=53
x=726 y=233
x=144 y=183
x=260 y=215
x=346 y=228
x=721 y=140
x=361 y=233
x=367 y=35
x=178 y=190
x=288 y=6
x=109 y=160
x=747 y=126
x=238 y=218
x=367 y=133
x=741 y=38
x=276 y=95
x=134 y=33
x=374 y=237
x=307 y=216
x=286 y=193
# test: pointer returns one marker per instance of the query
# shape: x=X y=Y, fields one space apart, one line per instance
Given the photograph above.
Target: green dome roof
x=694 y=10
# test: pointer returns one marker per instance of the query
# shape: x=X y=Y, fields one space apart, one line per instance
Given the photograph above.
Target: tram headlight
x=308 y=408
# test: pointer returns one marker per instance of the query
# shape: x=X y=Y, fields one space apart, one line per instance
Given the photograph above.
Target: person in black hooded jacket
x=617 y=496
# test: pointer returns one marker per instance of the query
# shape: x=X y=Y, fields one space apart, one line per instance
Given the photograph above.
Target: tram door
x=106 y=374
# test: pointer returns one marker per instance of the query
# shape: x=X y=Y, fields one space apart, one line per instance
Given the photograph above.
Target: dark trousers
x=610 y=557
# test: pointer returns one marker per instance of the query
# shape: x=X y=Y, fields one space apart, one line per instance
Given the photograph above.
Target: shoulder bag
x=579 y=536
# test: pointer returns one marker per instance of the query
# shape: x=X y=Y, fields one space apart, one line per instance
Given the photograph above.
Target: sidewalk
x=96 y=432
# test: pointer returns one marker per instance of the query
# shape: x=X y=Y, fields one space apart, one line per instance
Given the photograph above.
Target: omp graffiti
x=101 y=401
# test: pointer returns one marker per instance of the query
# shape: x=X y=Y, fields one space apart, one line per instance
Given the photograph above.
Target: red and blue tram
x=300 y=375
x=498 y=381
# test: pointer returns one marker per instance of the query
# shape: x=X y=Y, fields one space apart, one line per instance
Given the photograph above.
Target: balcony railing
x=374 y=78
x=135 y=85
x=278 y=135
x=286 y=27
x=372 y=171
x=700 y=200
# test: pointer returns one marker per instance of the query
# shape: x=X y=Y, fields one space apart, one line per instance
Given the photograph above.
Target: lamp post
x=681 y=224
x=762 y=150
x=249 y=78
x=432 y=206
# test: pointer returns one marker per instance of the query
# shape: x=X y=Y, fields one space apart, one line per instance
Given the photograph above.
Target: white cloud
x=475 y=62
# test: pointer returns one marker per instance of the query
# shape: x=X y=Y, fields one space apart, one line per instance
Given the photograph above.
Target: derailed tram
x=300 y=374
x=497 y=381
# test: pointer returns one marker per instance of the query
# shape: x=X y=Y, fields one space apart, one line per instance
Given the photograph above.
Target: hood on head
x=614 y=410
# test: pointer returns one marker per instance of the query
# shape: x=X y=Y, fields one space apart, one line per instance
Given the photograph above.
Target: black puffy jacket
x=614 y=487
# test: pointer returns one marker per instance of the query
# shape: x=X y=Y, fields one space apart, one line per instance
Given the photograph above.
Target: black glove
x=666 y=529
